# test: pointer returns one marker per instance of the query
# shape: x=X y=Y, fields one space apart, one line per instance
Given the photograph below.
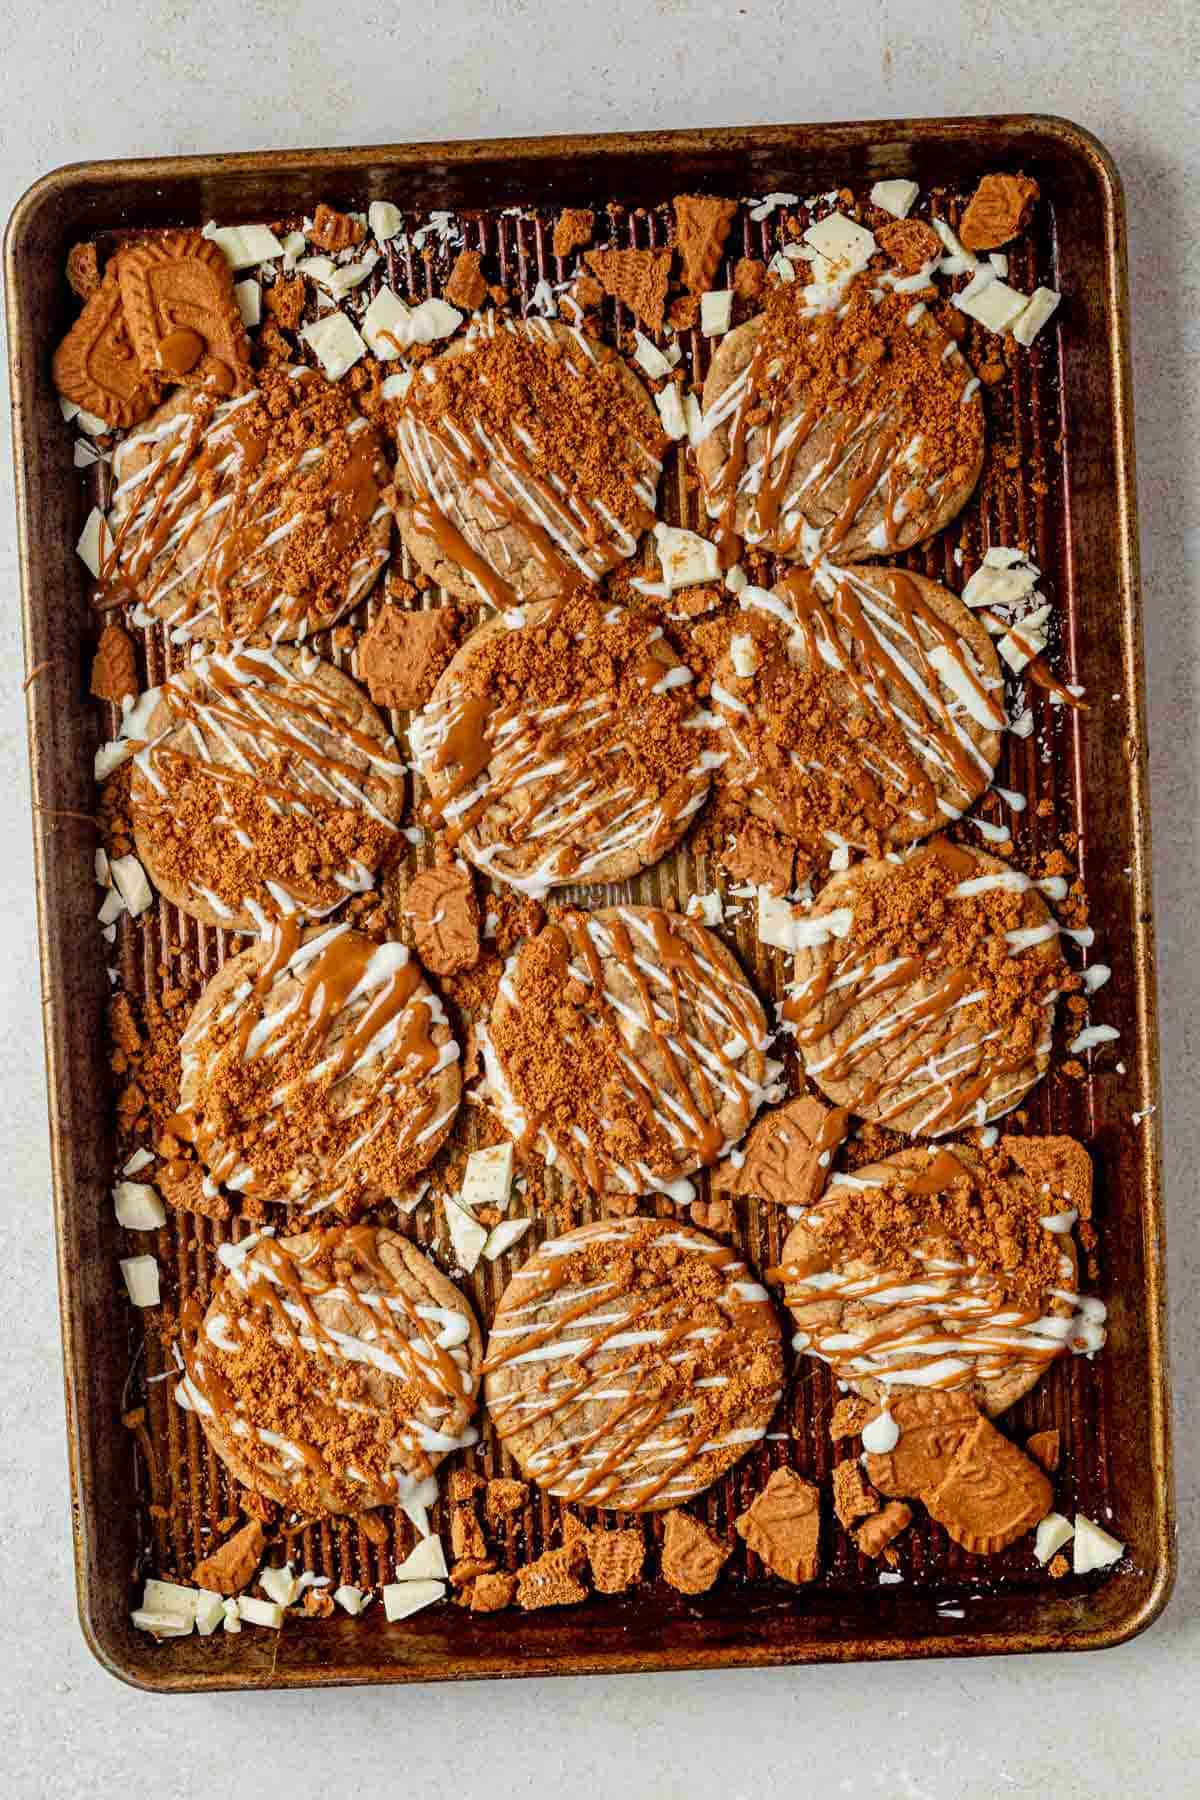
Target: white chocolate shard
x=385 y=221
x=1094 y=1548
x=387 y=326
x=259 y=1612
x=141 y=1279
x=896 y=197
x=244 y=244
x=138 y=1206
x=1042 y=304
x=131 y=883
x=503 y=1236
x=426 y=1563
x=687 y=559
x=716 y=312
x=403 y=1598
x=248 y=295
x=335 y=342
x=467 y=1235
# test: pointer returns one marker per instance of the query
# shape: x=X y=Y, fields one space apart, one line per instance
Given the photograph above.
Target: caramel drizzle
x=279 y=1282
x=598 y=1465
x=682 y=1117
x=386 y=1025
x=855 y=978
x=561 y=526
x=215 y=462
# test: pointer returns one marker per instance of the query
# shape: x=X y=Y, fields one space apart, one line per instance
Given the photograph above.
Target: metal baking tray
x=1068 y=409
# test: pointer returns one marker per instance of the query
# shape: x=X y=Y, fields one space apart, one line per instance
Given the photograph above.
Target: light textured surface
x=134 y=79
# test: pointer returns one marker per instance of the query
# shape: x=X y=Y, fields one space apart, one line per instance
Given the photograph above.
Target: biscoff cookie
x=627 y=1047
x=862 y=706
x=849 y=430
x=331 y=1371
x=259 y=517
x=317 y=1071
x=529 y=462
x=559 y=746
x=948 y=1268
x=631 y=1362
x=267 y=785
x=924 y=989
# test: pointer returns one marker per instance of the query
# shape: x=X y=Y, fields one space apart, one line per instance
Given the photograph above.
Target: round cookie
x=871 y=710
x=558 y=749
x=259 y=518
x=317 y=1072
x=268 y=784
x=924 y=990
x=628 y=1048
x=945 y=1268
x=529 y=459
x=334 y=1370
x=851 y=431
x=632 y=1362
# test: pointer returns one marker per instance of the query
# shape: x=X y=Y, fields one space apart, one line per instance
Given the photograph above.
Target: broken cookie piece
x=991 y=1494
x=231 y=1567
x=441 y=906
x=874 y=1537
x=783 y=1526
x=638 y=278
x=760 y=856
x=615 y=1559
x=701 y=228
x=999 y=208
x=573 y=229
x=787 y=1155
x=402 y=654
x=692 y=1557
x=550 y=1581
x=853 y=1496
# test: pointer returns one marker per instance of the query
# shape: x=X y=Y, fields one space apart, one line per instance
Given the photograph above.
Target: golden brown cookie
x=558 y=749
x=267 y=785
x=945 y=1268
x=848 y=432
x=991 y=1494
x=924 y=990
x=182 y=313
x=929 y=1425
x=627 y=1046
x=317 y=1073
x=701 y=226
x=999 y=208
x=441 y=906
x=334 y=1370
x=787 y=1155
x=96 y=366
x=582 y=1379
x=692 y=1557
x=782 y=1526
x=637 y=278
x=529 y=463
x=862 y=706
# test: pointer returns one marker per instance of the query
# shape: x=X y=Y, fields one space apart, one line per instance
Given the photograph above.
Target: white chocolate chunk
x=169 y=1597
x=387 y=325
x=434 y=319
x=1091 y=1035
x=244 y=244
x=112 y=908
x=993 y=585
x=716 y=312
x=995 y=305
x=403 y=1598
x=743 y=653
x=670 y=411
x=161 y=1624
x=1042 y=304
x=488 y=1177
x=774 y=920
x=131 y=883
x=467 y=1235
x=396 y=386
x=233 y=1619
x=503 y=1236
x=95 y=541
x=279 y=1584
x=426 y=1563
x=842 y=241
x=385 y=221
x=138 y=1206
x=895 y=197
x=694 y=417
x=1052 y=1533
x=349 y=1597
x=336 y=343
x=649 y=357
x=708 y=908
x=141 y=1279
x=248 y=295
x=141 y=1159
x=259 y=1612
x=210 y=1610
x=1094 y=1548
x=687 y=558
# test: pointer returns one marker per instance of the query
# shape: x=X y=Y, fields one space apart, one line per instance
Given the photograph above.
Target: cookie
x=849 y=433
x=96 y=366
x=331 y=1371
x=862 y=706
x=529 y=463
x=627 y=1047
x=630 y=1363
x=944 y=1268
x=782 y=1526
x=924 y=990
x=787 y=1156
x=267 y=785
x=182 y=313
x=701 y=228
x=561 y=749
x=257 y=518
x=318 y=1073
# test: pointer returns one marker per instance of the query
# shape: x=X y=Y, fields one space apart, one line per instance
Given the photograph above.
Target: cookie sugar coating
x=320 y=1073
x=261 y=517
x=268 y=785
x=529 y=459
x=873 y=709
x=923 y=994
x=849 y=433
x=559 y=750
x=935 y=1269
x=334 y=1370
x=627 y=1046
x=631 y=1362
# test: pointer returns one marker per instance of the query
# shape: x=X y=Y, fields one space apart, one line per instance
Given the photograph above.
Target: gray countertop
x=127 y=79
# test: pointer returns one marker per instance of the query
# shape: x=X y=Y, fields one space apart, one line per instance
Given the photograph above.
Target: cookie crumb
x=549 y=1581
x=467 y=287
x=692 y=1557
x=878 y=1532
x=572 y=229
x=333 y=230
x=615 y=1559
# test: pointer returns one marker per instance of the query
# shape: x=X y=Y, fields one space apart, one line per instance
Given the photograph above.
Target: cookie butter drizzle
x=197 y=530
x=597 y=1346
x=704 y=1022
x=876 y=457
x=422 y=1346
x=966 y=1059
x=903 y=663
x=951 y=1325
x=455 y=469
x=356 y=1064
x=563 y=772
x=234 y=713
